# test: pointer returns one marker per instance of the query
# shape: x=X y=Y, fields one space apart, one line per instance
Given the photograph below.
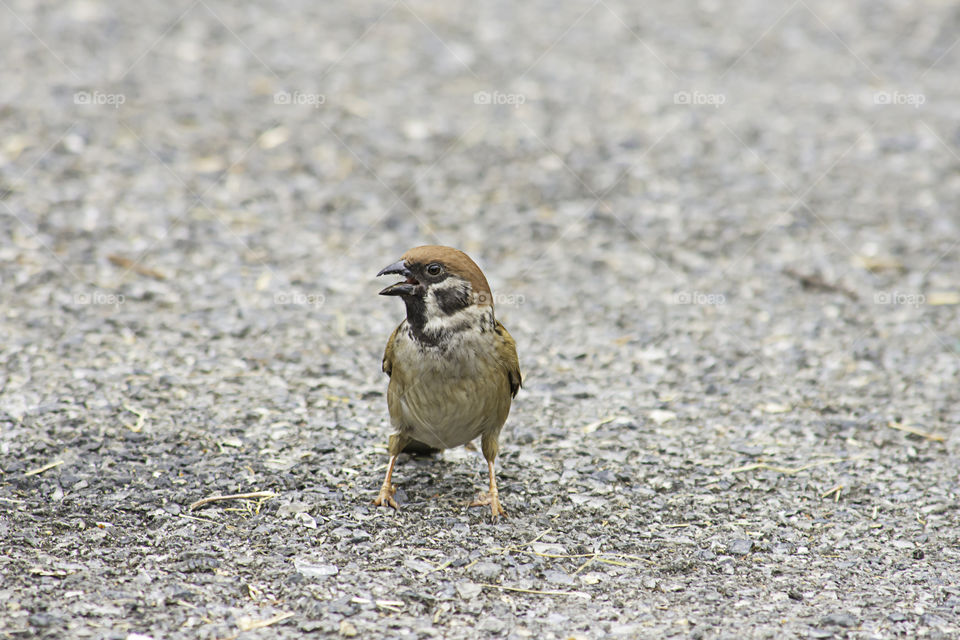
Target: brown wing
x=507 y=354
x=394 y=389
x=388 y=352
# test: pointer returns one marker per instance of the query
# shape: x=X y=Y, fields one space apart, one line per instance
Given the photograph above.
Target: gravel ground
x=724 y=236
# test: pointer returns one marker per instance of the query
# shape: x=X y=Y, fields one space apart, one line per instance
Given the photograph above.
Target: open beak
x=407 y=287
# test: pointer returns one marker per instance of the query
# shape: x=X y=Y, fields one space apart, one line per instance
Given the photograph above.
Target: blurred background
x=662 y=177
x=728 y=230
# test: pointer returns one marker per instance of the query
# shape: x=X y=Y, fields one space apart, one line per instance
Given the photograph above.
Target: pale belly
x=444 y=410
x=446 y=413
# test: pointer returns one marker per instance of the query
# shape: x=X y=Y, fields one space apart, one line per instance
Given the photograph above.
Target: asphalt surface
x=724 y=235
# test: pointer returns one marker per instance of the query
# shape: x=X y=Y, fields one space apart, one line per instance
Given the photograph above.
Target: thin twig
x=141 y=418
x=619 y=564
x=45 y=467
x=131 y=265
x=600 y=557
x=585 y=565
x=541 y=554
x=540 y=592
x=504 y=550
x=250 y=625
x=540 y=535
x=234 y=496
x=835 y=490
x=790 y=470
x=183 y=515
x=816 y=281
x=936 y=437
x=593 y=426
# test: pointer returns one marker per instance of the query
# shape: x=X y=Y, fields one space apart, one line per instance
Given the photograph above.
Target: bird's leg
x=385 y=498
x=491 y=497
x=490 y=448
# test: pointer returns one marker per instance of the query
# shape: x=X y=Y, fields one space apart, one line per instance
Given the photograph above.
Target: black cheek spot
x=452 y=300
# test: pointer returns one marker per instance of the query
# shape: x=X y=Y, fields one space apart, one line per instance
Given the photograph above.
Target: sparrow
x=453 y=367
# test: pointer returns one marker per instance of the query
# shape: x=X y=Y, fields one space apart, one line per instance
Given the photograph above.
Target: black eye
x=434 y=269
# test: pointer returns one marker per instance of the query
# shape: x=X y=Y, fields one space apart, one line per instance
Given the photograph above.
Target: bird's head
x=441 y=286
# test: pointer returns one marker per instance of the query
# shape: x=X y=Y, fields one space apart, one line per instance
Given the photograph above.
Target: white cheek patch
x=450 y=289
x=472 y=316
x=432 y=308
x=452 y=282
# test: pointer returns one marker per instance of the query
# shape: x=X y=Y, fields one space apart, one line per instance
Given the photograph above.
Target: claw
x=385 y=498
x=492 y=499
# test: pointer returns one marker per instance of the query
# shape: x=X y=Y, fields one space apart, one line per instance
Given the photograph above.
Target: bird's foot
x=492 y=499
x=385 y=499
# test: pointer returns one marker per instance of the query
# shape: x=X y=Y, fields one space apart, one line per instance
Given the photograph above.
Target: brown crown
x=457 y=263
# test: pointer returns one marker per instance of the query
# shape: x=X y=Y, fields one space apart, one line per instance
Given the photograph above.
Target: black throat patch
x=417 y=323
x=416 y=316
